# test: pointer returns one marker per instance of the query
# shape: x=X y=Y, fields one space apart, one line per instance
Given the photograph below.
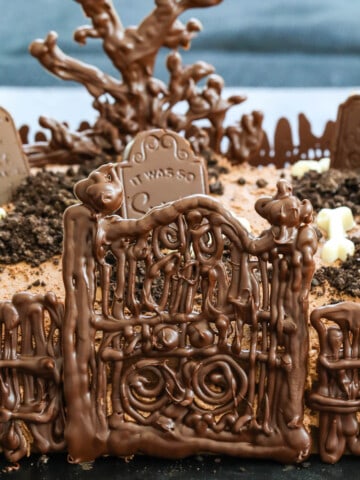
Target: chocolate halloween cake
x=166 y=327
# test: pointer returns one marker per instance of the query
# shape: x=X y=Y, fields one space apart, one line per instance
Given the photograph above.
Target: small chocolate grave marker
x=159 y=166
x=13 y=162
x=346 y=148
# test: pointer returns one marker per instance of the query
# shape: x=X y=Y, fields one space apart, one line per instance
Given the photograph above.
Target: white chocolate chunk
x=2 y=213
x=336 y=222
x=299 y=168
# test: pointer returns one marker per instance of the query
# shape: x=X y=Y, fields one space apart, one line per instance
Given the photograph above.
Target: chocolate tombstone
x=159 y=166
x=13 y=162
x=346 y=148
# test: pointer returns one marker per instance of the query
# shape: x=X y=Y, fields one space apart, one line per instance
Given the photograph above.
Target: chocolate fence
x=31 y=399
x=336 y=394
x=244 y=142
x=181 y=333
x=282 y=149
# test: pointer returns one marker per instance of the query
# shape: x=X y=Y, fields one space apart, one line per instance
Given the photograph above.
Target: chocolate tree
x=139 y=101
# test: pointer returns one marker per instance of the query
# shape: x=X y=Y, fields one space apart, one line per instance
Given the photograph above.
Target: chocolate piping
x=208 y=354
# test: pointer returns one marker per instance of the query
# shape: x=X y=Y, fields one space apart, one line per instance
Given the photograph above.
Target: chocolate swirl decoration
x=166 y=237
x=170 y=143
x=150 y=389
x=219 y=384
x=147 y=387
x=150 y=144
x=153 y=143
x=183 y=367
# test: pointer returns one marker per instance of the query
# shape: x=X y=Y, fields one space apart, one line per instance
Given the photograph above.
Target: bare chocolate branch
x=57 y=62
x=105 y=20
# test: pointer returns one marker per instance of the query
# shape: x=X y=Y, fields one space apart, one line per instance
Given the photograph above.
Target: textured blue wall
x=253 y=43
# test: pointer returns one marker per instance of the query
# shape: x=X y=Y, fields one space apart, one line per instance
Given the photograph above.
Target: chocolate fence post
x=86 y=428
x=345 y=153
x=335 y=394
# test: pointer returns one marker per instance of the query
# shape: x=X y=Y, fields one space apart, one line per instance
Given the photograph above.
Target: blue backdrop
x=251 y=43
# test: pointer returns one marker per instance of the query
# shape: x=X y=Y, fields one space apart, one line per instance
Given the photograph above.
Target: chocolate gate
x=191 y=348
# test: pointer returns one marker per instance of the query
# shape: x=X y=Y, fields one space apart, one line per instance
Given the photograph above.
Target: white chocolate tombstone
x=13 y=163
x=336 y=222
x=159 y=166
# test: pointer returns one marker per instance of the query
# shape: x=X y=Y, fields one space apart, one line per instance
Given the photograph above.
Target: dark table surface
x=195 y=468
